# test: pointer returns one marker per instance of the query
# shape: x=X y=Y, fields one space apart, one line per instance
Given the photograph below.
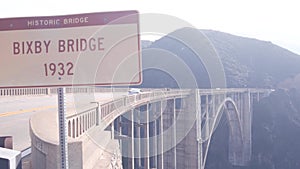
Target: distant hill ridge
x=247 y=62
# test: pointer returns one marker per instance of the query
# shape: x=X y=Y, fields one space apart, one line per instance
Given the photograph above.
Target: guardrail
x=49 y=91
x=80 y=123
x=23 y=91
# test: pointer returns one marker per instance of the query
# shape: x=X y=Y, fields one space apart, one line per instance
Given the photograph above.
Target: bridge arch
x=229 y=106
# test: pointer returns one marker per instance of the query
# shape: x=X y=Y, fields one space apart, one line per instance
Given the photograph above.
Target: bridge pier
x=160 y=159
x=246 y=121
x=169 y=136
x=199 y=128
x=137 y=140
x=127 y=142
x=186 y=134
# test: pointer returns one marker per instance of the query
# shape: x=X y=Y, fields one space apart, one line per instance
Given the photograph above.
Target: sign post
x=99 y=49
x=63 y=142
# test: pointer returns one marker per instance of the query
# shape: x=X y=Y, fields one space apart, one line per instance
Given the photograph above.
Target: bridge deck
x=15 y=112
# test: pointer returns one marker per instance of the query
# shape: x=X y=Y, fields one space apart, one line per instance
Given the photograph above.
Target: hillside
x=247 y=62
x=259 y=63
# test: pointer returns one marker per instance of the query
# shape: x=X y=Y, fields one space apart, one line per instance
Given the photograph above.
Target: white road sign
x=72 y=50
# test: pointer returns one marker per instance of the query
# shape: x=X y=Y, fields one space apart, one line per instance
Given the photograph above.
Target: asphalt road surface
x=15 y=112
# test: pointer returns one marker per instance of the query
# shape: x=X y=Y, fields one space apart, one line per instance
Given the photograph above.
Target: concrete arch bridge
x=162 y=129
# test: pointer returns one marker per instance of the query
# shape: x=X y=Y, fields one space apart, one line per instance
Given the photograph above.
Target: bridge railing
x=48 y=91
x=23 y=91
x=81 y=122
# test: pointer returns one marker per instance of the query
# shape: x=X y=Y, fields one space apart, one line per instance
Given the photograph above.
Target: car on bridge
x=134 y=91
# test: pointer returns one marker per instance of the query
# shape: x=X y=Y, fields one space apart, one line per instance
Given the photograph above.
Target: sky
x=270 y=20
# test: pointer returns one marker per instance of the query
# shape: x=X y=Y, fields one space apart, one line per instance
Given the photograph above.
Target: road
x=15 y=112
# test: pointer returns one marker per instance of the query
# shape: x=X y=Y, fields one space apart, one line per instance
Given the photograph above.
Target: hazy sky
x=271 y=20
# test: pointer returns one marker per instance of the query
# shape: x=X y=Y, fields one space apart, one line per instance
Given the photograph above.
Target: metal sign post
x=63 y=143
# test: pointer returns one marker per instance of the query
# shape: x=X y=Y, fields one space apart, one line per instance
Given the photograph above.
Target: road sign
x=71 y=50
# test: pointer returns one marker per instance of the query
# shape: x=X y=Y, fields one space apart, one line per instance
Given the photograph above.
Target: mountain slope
x=260 y=63
x=247 y=62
